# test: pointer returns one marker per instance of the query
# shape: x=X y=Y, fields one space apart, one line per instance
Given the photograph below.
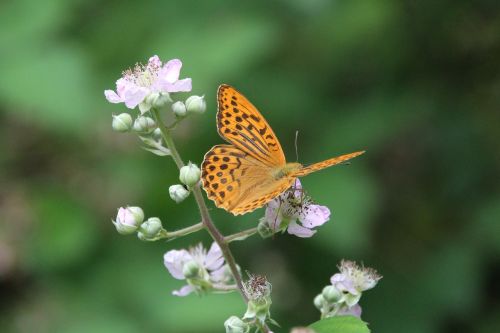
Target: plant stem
x=205 y=215
x=219 y=239
x=240 y=235
x=183 y=231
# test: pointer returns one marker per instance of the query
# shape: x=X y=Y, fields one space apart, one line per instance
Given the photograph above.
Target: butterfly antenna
x=296 y=146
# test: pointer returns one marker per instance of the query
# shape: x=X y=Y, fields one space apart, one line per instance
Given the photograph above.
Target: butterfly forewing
x=241 y=124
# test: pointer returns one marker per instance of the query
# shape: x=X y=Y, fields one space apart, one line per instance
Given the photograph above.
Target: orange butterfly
x=251 y=170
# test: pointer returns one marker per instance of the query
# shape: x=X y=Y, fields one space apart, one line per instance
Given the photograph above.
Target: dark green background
x=415 y=83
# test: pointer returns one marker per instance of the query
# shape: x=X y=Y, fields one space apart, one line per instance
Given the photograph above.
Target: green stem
x=205 y=215
x=240 y=235
x=182 y=232
x=168 y=138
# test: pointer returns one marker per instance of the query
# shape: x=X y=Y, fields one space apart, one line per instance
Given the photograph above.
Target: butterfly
x=251 y=170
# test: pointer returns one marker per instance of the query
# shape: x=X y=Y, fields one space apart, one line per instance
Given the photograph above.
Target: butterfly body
x=251 y=170
x=286 y=171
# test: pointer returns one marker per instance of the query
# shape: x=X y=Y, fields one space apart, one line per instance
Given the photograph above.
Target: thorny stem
x=240 y=235
x=205 y=215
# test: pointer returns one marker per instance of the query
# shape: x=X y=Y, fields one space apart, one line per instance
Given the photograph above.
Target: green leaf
x=341 y=324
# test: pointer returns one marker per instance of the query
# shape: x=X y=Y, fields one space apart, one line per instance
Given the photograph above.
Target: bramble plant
x=152 y=89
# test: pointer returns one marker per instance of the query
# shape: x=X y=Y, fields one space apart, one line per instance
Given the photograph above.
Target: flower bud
x=151 y=228
x=157 y=134
x=128 y=220
x=179 y=109
x=154 y=100
x=122 y=122
x=331 y=294
x=178 y=193
x=196 y=104
x=158 y=100
x=190 y=174
x=264 y=229
x=319 y=301
x=191 y=270
x=144 y=124
x=235 y=325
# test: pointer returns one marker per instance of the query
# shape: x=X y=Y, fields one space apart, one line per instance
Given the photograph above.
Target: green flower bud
x=178 y=193
x=122 y=122
x=154 y=100
x=196 y=104
x=144 y=124
x=190 y=174
x=263 y=228
x=319 y=301
x=128 y=220
x=151 y=228
x=179 y=109
x=157 y=135
x=191 y=270
x=331 y=294
x=235 y=325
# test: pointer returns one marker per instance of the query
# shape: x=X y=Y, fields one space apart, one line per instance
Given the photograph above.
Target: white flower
x=354 y=279
x=153 y=80
x=295 y=212
x=211 y=265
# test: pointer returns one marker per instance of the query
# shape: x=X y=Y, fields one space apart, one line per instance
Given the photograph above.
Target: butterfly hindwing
x=241 y=124
x=236 y=181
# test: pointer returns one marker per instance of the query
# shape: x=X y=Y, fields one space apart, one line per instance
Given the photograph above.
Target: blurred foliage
x=415 y=83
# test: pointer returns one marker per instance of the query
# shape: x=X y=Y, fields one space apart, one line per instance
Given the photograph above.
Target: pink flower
x=210 y=265
x=294 y=211
x=354 y=279
x=153 y=79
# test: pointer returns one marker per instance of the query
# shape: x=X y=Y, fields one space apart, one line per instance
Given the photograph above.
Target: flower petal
x=314 y=216
x=184 y=291
x=297 y=186
x=112 y=97
x=183 y=85
x=134 y=95
x=299 y=231
x=154 y=62
x=354 y=310
x=170 y=72
x=174 y=261
x=272 y=217
x=214 y=259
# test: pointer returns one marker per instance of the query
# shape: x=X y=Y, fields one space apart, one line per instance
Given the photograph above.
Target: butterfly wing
x=241 y=124
x=325 y=164
x=238 y=182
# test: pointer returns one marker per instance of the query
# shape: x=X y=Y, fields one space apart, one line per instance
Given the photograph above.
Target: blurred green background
x=415 y=83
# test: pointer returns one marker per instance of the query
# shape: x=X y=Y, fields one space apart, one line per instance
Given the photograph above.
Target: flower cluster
x=145 y=85
x=151 y=87
x=203 y=270
x=344 y=293
x=294 y=212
